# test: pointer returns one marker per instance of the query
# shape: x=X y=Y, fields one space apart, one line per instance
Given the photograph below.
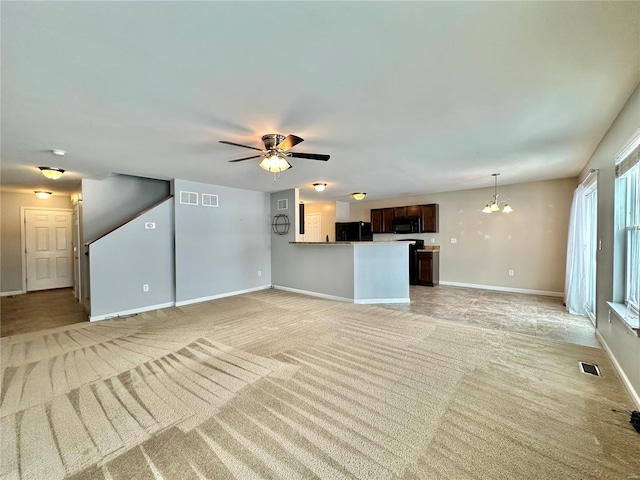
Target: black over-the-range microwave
x=406 y=225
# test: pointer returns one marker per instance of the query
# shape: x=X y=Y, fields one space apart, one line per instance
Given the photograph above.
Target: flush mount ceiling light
x=319 y=186
x=494 y=205
x=42 y=194
x=51 y=173
x=57 y=151
x=358 y=195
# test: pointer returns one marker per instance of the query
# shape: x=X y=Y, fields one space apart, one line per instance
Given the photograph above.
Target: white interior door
x=48 y=252
x=313 y=227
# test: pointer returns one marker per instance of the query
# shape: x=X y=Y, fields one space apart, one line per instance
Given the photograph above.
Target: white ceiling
x=407 y=98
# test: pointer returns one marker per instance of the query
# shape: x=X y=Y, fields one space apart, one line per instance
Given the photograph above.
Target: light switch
x=454 y=240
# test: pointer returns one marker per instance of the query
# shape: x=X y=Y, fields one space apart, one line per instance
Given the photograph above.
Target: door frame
x=23 y=236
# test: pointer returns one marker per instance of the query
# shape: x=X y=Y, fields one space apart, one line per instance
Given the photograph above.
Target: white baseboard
x=313 y=294
x=363 y=301
x=108 y=316
x=370 y=301
x=625 y=380
x=503 y=289
x=10 y=294
x=221 y=295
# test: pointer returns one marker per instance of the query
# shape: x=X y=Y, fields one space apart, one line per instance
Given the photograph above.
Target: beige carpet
x=278 y=385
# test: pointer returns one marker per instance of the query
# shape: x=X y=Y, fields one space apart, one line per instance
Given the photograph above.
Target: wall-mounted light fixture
x=494 y=205
x=358 y=195
x=52 y=173
x=319 y=186
x=42 y=194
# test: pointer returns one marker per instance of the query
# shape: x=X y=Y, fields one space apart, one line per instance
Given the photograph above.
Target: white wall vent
x=209 y=200
x=283 y=204
x=188 y=198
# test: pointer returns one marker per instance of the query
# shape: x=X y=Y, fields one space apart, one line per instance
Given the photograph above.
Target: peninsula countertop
x=347 y=243
x=426 y=248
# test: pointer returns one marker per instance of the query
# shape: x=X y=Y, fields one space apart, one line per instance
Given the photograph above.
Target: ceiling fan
x=276 y=151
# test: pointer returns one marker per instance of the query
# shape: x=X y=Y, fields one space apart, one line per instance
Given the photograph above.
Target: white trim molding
x=10 y=294
x=313 y=294
x=623 y=376
x=370 y=301
x=133 y=311
x=503 y=289
x=221 y=295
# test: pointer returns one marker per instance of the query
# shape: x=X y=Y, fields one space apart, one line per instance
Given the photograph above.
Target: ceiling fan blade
x=245 y=158
x=289 y=142
x=238 y=145
x=310 y=156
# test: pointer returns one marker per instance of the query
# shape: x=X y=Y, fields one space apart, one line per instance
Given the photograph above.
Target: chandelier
x=494 y=205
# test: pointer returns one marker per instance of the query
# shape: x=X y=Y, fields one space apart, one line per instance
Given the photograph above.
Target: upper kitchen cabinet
x=381 y=220
x=429 y=218
x=376 y=220
x=412 y=211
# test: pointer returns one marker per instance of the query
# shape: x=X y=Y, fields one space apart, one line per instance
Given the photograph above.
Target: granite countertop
x=347 y=243
x=429 y=248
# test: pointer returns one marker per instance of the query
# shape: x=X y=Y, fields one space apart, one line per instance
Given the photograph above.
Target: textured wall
x=127 y=258
x=219 y=250
x=531 y=241
x=624 y=345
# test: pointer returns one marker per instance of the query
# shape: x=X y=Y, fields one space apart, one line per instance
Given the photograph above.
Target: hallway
x=40 y=310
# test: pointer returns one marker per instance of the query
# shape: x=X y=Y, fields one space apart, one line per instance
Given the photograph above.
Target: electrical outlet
x=454 y=240
x=259 y=273
x=433 y=240
x=145 y=287
x=511 y=273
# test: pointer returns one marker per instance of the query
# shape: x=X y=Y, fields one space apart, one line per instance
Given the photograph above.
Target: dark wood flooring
x=39 y=310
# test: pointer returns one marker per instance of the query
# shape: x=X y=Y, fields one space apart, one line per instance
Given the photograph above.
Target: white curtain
x=575 y=285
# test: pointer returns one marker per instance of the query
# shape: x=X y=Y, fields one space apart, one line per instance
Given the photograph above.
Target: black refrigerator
x=353 y=232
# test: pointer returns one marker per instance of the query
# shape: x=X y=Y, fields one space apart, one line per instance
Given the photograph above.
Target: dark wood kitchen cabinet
x=376 y=220
x=429 y=218
x=429 y=268
x=387 y=220
x=412 y=211
x=381 y=220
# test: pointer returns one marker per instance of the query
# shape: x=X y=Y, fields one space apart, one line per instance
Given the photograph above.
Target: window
x=628 y=218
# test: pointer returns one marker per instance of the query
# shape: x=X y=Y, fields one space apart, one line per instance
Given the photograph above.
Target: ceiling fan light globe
x=274 y=164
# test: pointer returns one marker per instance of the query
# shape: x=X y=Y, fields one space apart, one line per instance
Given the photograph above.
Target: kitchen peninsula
x=358 y=272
